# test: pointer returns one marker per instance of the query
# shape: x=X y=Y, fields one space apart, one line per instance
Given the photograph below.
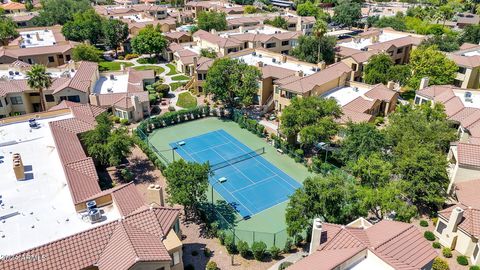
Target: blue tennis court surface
x=252 y=184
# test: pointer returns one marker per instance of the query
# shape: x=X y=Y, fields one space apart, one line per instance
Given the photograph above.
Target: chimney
x=95 y=99
x=137 y=108
x=155 y=195
x=322 y=65
x=391 y=85
x=241 y=30
x=18 y=167
x=316 y=235
x=455 y=218
x=299 y=24
x=213 y=31
x=423 y=83
x=365 y=28
x=284 y=58
x=299 y=73
x=122 y=67
x=259 y=64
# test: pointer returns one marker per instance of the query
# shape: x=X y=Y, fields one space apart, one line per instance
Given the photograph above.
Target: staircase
x=268 y=104
x=190 y=83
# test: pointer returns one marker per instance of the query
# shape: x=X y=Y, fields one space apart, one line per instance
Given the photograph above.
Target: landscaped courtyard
x=267 y=225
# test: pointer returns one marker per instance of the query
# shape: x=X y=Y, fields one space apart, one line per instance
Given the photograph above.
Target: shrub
x=211 y=265
x=230 y=244
x=221 y=236
x=429 y=236
x=284 y=265
x=207 y=252
x=462 y=260
x=194 y=253
x=171 y=108
x=121 y=57
x=436 y=245
x=152 y=98
x=475 y=267
x=274 y=252
x=434 y=221
x=124 y=121
x=116 y=119
x=243 y=248
x=298 y=240
x=447 y=252
x=131 y=56
x=189 y=267
x=259 y=249
x=126 y=174
x=214 y=228
x=440 y=264
x=288 y=245
x=423 y=223
x=161 y=88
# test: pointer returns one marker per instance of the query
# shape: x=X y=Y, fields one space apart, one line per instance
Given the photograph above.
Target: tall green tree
x=84 y=26
x=471 y=34
x=85 y=52
x=445 y=43
x=106 y=145
x=361 y=139
x=378 y=69
x=149 y=41
x=59 y=11
x=8 y=29
x=311 y=117
x=115 y=33
x=187 y=184
x=347 y=13
x=233 y=82
x=333 y=197
x=373 y=171
x=431 y=63
x=308 y=49
x=312 y=9
x=39 y=80
x=319 y=30
x=208 y=20
x=396 y=22
x=399 y=74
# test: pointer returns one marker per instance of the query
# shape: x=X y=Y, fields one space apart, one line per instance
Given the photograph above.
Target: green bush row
x=148 y=152
x=249 y=124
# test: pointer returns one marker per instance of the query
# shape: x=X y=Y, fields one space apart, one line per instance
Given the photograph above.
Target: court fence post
x=274 y=238
x=253 y=234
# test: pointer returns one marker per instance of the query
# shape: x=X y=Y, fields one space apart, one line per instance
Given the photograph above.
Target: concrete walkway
x=295 y=257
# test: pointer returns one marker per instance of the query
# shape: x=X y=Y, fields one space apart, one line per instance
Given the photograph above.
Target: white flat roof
x=364 y=42
x=136 y=18
x=37 y=38
x=11 y=74
x=264 y=29
x=344 y=95
x=472 y=53
x=269 y=61
x=39 y=209
x=473 y=101
x=105 y=85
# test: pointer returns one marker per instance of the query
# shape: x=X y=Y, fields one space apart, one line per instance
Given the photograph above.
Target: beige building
x=198 y=6
x=133 y=12
x=178 y=37
x=295 y=23
x=468 y=62
x=386 y=245
x=73 y=82
x=39 y=45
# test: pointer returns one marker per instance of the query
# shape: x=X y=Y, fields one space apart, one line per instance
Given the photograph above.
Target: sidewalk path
x=295 y=257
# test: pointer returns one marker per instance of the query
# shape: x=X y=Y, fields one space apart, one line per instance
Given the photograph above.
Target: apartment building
x=73 y=224
x=23 y=19
x=468 y=62
x=138 y=11
x=38 y=45
x=198 y=6
x=178 y=37
x=73 y=82
x=462 y=107
x=295 y=23
x=359 y=245
x=356 y=51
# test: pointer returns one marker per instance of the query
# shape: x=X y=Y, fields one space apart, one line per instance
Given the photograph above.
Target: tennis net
x=238 y=159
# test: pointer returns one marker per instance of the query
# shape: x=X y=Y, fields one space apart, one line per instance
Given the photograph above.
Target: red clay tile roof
x=469 y=154
x=381 y=92
x=353 y=116
x=114 y=245
x=400 y=245
x=360 y=104
x=471 y=218
x=467 y=193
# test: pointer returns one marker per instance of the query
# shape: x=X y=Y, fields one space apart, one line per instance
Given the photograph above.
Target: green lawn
x=157 y=69
x=180 y=78
x=176 y=85
x=262 y=226
x=173 y=69
x=112 y=66
x=186 y=100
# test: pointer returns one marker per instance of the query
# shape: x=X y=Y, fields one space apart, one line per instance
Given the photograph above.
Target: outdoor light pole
x=173 y=153
x=216 y=182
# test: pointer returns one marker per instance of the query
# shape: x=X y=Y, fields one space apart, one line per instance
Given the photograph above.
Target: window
x=271 y=45
x=289 y=95
x=1 y=104
x=16 y=100
x=284 y=52
x=441 y=226
x=285 y=43
x=417 y=100
x=67 y=57
x=399 y=50
x=51 y=59
x=292 y=25
x=60 y=56
x=34 y=94
x=457 y=83
x=475 y=252
x=30 y=61
x=354 y=67
x=462 y=70
x=176 y=258
x=49 y=98
x=75 y=98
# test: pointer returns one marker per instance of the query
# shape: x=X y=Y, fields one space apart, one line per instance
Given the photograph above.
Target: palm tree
x=319 y=30
x=38 y=79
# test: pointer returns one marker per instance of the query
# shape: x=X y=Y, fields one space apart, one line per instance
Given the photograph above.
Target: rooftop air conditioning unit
x=28 y=35
x=254 y=53
x=355 y=89
x=274 y=60
x=91 y=205
x=94 y=215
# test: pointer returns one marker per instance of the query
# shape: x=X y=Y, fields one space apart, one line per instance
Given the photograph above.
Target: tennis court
x=241 y=176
